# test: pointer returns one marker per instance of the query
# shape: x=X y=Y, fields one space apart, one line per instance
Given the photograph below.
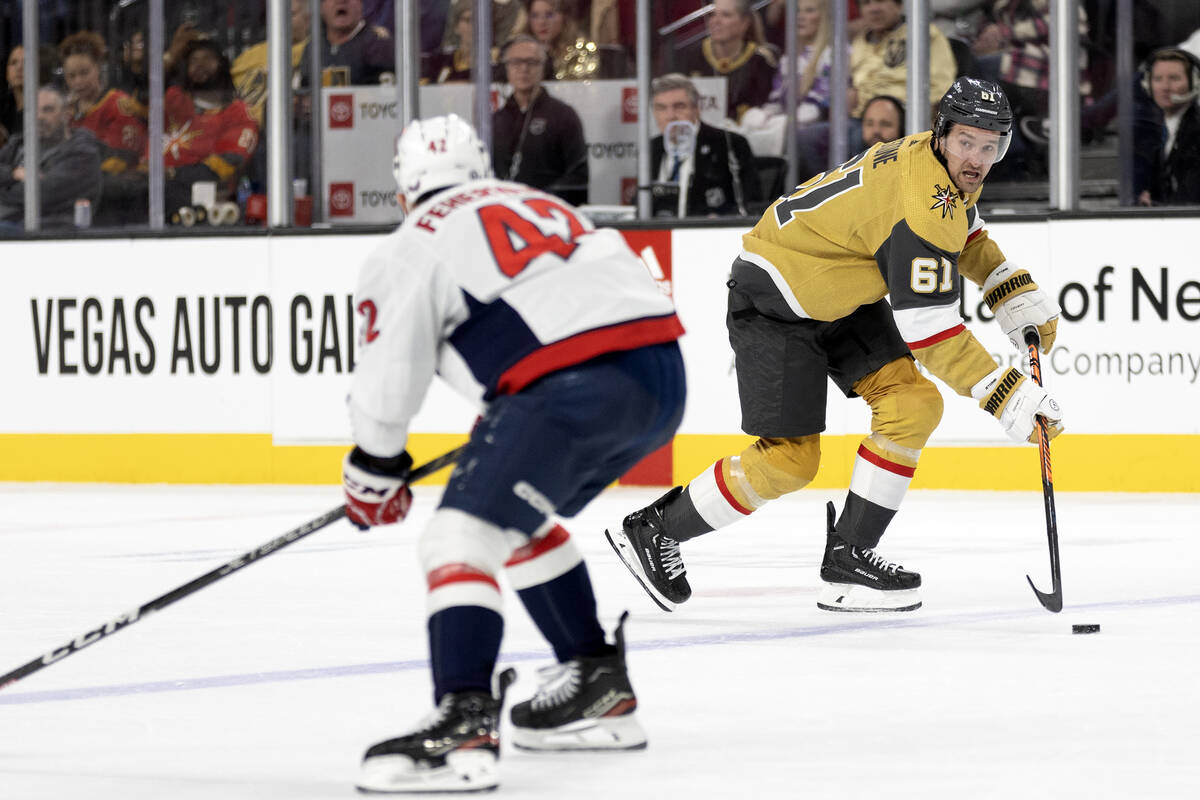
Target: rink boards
x=227 y=360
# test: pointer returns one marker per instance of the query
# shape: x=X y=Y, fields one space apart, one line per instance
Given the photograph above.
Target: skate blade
x=465 y=772
x=604 y=733
x=620 y=543
x=852 y=597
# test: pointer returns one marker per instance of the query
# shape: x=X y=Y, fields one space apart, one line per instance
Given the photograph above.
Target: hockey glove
x=1015 y=400
x=1018 y=303
x=376 y=492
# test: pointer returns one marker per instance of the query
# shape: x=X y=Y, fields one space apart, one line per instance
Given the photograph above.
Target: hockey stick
x=226 y=569
x=1053 y=601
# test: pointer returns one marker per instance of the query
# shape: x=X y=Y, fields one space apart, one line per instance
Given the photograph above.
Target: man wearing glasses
x=538 y=140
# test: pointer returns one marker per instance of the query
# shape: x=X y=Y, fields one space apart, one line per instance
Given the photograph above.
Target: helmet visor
x=976 y=145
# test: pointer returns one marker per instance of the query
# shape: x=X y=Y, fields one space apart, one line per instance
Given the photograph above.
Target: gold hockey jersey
x=887 y=223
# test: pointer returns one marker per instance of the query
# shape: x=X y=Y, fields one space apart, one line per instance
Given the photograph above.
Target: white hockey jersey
x=491 y=285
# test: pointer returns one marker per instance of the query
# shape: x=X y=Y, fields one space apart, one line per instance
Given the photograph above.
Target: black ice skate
x=454 y=749
x=584 y=704
x=651 y=555
x=859 y=579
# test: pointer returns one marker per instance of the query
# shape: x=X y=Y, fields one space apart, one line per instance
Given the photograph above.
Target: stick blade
x=1052 y=601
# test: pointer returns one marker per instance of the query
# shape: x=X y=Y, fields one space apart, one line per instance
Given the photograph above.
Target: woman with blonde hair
x=814 y=63
x=116 y=120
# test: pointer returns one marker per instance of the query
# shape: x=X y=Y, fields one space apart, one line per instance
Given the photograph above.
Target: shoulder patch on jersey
x=944 y=198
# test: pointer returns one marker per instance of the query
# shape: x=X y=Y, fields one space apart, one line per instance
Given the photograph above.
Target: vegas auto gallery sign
x=359 y=125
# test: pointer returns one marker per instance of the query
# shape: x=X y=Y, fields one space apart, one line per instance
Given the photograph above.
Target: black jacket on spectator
x=748 y=77
x=70 y=170
x=360 y=61
x=713 y=189
x=1175 y=176
x=10 y=118
x=548 y=138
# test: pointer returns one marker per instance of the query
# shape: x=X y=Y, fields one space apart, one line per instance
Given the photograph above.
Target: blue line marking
x=866 y=622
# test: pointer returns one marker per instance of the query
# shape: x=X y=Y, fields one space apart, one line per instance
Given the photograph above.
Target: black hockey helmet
x=978 y=103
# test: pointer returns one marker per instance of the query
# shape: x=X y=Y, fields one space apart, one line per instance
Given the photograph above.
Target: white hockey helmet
x=436 y=153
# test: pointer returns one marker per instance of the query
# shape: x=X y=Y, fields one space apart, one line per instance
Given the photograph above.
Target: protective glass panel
x=90 y=120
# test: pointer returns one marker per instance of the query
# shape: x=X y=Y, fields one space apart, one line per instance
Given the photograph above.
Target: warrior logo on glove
x=1018 y=304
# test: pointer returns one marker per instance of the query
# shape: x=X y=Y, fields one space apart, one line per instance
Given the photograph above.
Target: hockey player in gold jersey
x=809 y=298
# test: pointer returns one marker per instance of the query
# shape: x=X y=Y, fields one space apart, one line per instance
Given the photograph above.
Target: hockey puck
x=1085 y=629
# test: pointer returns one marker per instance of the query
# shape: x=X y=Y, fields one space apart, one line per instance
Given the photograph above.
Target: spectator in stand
x=700 y=171
x=452 y=66
x=572 y=55
x=209 y=133
x=68 y=166
x=882 y=120
x=132 y=76
x=814 y=60
x=250 y=67
x=249 y=73
x=537 y=140
x=1013 y=50
x=508 y=19
x=12 y=97
x=879 y=62
x=878 y=66
x=1172 y=172
x=116 y=120
x=735 y=49
x=353 y=53
x=776 y=13
x=184 y=35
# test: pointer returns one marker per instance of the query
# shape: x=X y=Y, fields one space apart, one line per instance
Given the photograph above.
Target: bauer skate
x=859 y=579
x=454 y=749
x=651 y=555
x=583 y=704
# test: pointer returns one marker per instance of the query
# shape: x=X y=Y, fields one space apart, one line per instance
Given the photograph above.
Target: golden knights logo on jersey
x=945 y=198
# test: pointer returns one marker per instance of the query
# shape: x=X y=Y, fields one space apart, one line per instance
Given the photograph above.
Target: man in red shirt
x=209 y=133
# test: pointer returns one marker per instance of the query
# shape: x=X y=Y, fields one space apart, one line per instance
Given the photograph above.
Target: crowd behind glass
x=93 y=95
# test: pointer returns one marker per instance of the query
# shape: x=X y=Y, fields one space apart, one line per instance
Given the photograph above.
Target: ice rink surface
x=269 y=684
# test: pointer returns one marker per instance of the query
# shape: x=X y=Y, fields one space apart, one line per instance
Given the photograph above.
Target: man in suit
x=698 y=170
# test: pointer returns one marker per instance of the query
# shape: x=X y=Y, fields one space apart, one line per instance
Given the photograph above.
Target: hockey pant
x=545 y=451
x=905 y=410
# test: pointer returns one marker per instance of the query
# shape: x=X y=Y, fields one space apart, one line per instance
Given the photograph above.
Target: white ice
x=269 y=684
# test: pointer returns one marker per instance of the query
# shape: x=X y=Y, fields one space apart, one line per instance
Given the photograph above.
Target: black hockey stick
x=1053 y=601
x=226 y=569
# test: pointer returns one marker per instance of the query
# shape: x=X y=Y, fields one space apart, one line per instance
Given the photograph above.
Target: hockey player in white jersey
x=559 y=331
